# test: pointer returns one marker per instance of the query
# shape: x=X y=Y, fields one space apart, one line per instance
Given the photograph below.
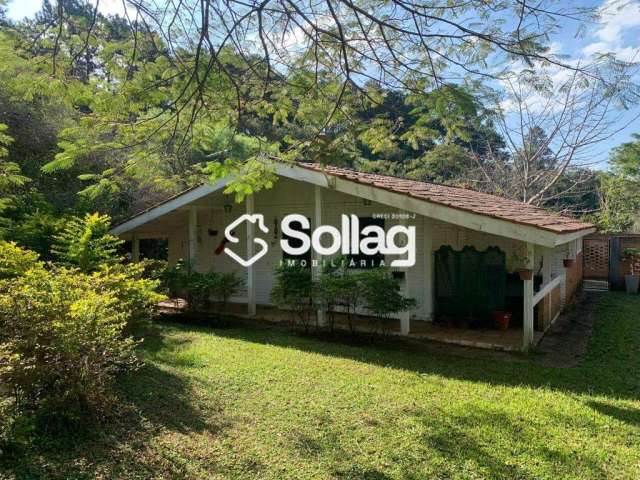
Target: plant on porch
x=340 y=289
x=520 y=264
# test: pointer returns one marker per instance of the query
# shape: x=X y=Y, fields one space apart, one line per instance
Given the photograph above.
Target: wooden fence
x=603 y=257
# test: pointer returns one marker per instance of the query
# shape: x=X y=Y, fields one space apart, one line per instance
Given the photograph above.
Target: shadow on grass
x=450 y=437
x=153 y=400
x=601 y=373
x=630 y=416
x=481 y=442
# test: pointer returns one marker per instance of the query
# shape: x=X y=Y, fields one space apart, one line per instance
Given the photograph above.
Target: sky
x=617 y=31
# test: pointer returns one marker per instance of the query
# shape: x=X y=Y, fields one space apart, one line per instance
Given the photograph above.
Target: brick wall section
x=574 y=276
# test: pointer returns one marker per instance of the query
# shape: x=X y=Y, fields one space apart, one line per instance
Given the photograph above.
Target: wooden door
x=595 y=258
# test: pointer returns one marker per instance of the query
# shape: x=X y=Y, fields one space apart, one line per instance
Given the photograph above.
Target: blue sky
x=617 y=31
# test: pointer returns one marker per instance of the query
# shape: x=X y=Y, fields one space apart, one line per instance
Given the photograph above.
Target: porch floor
x=507 y=340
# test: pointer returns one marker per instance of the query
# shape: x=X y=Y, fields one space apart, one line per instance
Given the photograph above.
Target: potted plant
x=501 y=319
x=632 y=280
x=518 y=265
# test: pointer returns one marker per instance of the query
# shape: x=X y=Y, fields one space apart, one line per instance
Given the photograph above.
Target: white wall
x=289 y=196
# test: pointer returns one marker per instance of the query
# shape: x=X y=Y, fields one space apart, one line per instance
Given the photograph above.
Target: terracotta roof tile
x=461 y=199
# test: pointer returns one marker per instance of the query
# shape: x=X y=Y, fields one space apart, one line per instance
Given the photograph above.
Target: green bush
x=382 y=296
x=175 y=279
x=62 y=336
x=340 y=288
x=86 y=243
x=14 y=261
x=292 y=290
x=225 y=287
x=199 y=289
x=347 y=290
x=153 y=268
x=137 y=294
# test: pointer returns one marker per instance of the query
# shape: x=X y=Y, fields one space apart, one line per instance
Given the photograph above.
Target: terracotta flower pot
x=568 y=262
x=501 y=319
x=525 y=274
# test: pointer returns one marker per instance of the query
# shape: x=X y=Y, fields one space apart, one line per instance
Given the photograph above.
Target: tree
x=619 y=193
x=619 y=204
x=550 y=130
x=3 y=11
x=625 y=159
x=192 y=76
x=87 y=244
x=11 y=177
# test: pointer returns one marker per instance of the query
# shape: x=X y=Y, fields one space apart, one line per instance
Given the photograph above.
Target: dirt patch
x=564 y=345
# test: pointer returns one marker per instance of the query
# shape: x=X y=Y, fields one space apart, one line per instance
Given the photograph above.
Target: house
x=468 y=245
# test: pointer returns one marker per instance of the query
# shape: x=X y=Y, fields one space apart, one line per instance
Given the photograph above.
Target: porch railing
x=553 y=291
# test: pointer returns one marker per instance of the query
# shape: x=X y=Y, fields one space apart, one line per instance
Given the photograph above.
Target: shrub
x=382 y=297
x=86 y=243
x=200 y=288
x=176 y=278
x=137 y=295
x=35 y=230
x=154 y=269
x=340 y=288
x=375 y=290
x=226 y=286
x=14 y=261
x=62 y=336
x=292 y=290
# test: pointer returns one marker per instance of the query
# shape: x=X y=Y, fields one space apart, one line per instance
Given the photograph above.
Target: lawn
x=265 y=403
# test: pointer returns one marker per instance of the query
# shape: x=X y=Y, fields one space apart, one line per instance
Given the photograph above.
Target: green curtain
x=469 y=283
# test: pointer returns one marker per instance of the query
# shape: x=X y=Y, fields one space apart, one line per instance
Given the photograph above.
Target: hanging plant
x=519 y=264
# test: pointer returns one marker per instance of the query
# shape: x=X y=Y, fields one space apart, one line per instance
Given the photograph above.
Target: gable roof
x=461 y=199
x=463 y=207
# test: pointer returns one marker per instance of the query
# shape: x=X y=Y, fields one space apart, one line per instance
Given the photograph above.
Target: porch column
x=193 y=235
x=428 y=267
x=315 y=256
x=405 y=317
x=251 y=284
x=135 y=249
x=527 y=318
x=547 y=265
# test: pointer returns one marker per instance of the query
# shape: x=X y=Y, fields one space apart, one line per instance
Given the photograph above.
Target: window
x=154 y=248
x=367 y=261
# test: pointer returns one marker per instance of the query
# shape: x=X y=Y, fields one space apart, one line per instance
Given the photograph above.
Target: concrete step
x=595 y=285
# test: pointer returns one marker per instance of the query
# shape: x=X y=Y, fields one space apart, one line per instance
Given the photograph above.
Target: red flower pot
x=501 y=319
x=568 y=262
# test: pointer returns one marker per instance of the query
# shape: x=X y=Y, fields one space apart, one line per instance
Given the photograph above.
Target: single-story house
x=469 y=245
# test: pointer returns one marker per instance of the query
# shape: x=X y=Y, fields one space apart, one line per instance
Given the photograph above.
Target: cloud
x=619 y=19
x=116 y=7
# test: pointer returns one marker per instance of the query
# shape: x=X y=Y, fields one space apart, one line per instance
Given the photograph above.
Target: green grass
x=264 y=403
